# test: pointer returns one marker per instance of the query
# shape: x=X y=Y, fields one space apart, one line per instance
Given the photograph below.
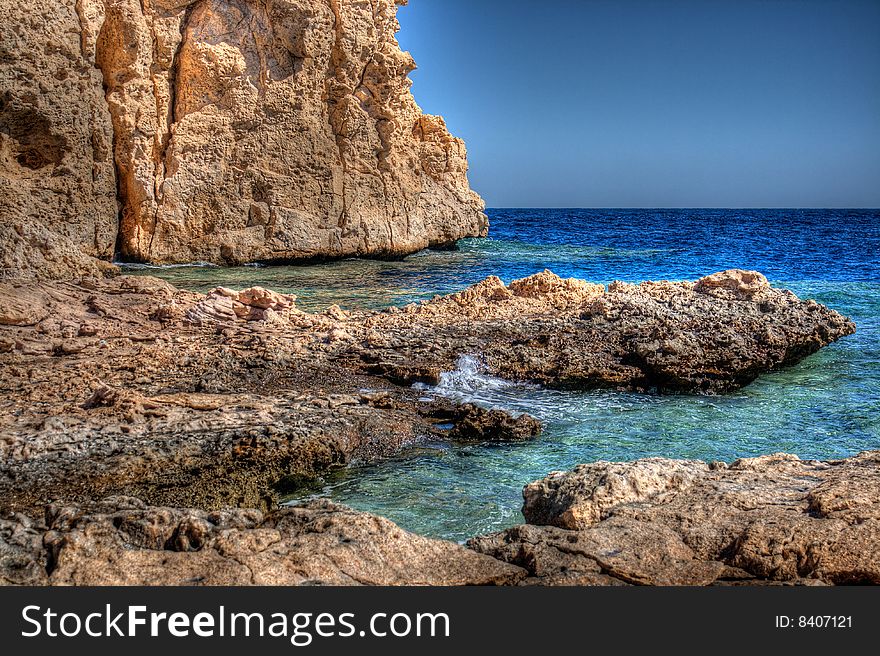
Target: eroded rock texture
x=128 y=386
x=770 y=519
x=57 y=185
x=242 y=130
x=712 y=335
x=121 y=541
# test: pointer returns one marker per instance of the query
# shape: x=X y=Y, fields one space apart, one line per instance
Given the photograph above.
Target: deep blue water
x=827 y=406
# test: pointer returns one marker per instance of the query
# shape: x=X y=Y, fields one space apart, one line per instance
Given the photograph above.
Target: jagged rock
x=769 y=519
x=614 y=553
x=115 y=391
x=128 y=386
x=215 y=308
x=553 y=289
x=741 y=285
x=22 y=558
x=663 y=336
x=122 y=541
x=580 y=498
x=265 y=299
x=479 y=424
x=224 y=305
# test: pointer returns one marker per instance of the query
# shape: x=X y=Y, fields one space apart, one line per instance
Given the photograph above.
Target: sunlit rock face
x=237 y=130
x=57 y=184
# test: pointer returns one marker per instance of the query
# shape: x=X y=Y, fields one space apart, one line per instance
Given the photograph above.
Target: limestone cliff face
x=57 y=185
x=242 y=130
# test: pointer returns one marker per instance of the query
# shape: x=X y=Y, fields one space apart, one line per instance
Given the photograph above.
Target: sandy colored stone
x=773 y=519
x=581 y=497
x=226 y=131
x=277 y=130
x=58 y=199
x=571 y=334
x=736 y=283
x=110 y=387
x=122 y=541
x=130 y=386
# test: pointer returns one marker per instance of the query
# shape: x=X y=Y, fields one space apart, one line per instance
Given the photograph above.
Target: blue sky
x=625 y=103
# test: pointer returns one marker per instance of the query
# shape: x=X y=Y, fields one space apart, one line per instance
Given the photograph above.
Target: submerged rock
x=775 y=519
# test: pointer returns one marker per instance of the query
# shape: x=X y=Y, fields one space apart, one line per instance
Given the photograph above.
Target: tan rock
x=774 y=518
x=123 y=542
x=740 y=284
x=580 y=498
x=215 y=308
x=235 y=130
x=137 y=400
x=548 y=283
x=265 y=299
x=223 y=305
x=58 y=199
x=274 y=131
x=22 y=306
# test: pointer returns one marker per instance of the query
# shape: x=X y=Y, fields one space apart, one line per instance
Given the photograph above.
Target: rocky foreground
x=682 y=522
x=768 y=520
x=127 y=388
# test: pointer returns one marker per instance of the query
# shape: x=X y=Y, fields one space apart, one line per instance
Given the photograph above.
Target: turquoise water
x=825 y=407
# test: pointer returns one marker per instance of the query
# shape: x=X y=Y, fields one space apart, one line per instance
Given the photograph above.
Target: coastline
x=137 y=389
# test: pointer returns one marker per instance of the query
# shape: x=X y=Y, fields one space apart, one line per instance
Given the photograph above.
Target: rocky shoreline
x=129 y=403
x=148 y=433
x=772 y=520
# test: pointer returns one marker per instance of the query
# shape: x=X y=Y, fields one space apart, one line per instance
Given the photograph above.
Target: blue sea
x=828 y=406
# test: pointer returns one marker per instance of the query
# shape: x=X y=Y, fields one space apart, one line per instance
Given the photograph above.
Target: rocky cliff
x=57 y=182
x=225 y=130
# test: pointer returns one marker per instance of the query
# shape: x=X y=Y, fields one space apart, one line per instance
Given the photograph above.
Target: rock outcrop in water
x=772 y=519
x=713 y=335
x=233 y=131
x=128 y=386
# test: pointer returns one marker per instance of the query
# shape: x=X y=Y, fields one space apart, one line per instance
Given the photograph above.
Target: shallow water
x=827 y=406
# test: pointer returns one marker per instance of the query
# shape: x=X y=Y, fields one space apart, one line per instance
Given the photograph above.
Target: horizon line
x=658 y=207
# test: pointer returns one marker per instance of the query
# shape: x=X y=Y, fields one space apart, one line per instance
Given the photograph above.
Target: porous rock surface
x=57 y=182
x=129 y=387
x=712 y=335
x=228 y=131
x=121 y=541
x=770 y=519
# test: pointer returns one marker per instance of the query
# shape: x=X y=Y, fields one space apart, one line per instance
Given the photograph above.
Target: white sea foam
x=469 y=383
